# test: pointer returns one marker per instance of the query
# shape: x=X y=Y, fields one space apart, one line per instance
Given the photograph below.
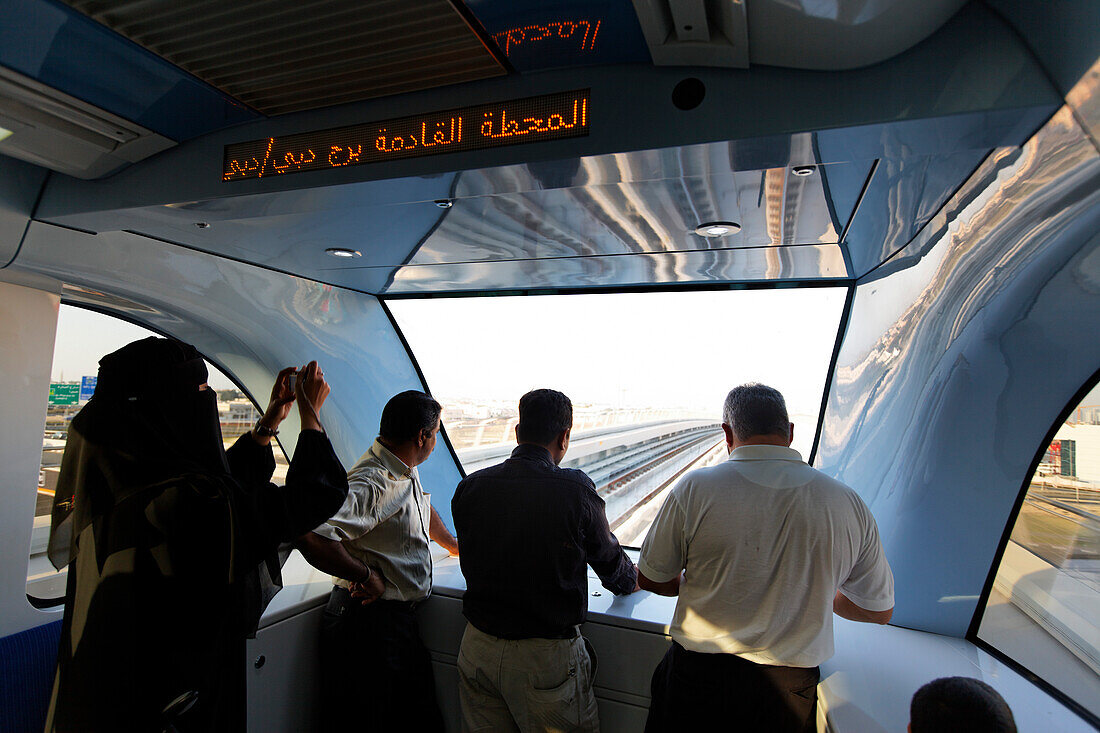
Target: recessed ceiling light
x=803 y=170
x=342 y=252
x=717 y=228
x=4 y=133
x=444 y=203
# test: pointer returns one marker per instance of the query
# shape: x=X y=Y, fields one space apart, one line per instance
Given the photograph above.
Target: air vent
x=695 y=32
x=64 y=134
x=288 y=55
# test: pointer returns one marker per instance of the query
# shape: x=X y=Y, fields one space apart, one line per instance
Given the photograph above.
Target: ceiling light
x=341 y=252
x=717 y=228
x=444 y=203
x=4 y=133
x=803 y=170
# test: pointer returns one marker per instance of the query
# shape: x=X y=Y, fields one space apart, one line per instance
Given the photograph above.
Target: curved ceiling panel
x=959 y=355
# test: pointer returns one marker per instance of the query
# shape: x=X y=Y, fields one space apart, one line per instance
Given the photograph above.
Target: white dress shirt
x=384 y=524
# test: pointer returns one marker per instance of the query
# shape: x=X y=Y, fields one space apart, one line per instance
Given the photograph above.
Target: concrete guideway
x=588 y=447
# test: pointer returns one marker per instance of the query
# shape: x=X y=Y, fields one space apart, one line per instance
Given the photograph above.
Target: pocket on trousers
x=556 y=707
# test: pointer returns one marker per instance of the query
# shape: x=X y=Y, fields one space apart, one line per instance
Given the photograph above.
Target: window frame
x=979 y=612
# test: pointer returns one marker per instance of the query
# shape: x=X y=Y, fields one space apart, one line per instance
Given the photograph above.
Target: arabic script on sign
x=548 y=117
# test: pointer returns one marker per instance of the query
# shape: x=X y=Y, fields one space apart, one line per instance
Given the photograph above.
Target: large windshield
x=647 y=374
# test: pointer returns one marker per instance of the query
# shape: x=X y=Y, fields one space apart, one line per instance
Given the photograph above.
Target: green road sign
x=64 y=394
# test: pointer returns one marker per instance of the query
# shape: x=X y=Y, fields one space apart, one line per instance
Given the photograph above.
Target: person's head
x=545 y=418
x=756 y=414
x=961 y=704
x=410 y=422
x=154 y=389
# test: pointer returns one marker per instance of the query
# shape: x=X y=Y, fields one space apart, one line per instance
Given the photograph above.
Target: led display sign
x=535 y=119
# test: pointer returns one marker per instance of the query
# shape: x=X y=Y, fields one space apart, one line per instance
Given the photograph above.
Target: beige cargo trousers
x=526 y=685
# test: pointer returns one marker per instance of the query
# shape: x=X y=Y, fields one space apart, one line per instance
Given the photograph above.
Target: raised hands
x=311 y=390
x=278 y=407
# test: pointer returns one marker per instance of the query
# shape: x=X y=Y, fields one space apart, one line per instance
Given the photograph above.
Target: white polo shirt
x=766 y=542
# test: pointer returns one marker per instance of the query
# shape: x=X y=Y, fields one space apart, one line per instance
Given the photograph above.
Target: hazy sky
x=639 y=349
x=84 y=336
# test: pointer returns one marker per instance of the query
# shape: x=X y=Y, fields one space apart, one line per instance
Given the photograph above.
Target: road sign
x=64 y=394
x=87 y=388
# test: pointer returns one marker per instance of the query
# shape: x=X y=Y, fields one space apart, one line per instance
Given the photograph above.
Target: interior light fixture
x=803 y=170
x=4 y=133
x=343 y=252
x=717 y=228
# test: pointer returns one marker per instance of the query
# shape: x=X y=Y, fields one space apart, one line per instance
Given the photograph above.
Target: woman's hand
x=311 y=390
x=278 y=407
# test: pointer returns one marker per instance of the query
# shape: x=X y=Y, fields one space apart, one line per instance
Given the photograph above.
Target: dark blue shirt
x=526 y=529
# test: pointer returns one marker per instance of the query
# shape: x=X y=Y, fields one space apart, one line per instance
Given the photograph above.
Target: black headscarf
x=146 y=423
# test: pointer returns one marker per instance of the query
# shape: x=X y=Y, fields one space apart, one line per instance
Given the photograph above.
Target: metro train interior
x=888 y=209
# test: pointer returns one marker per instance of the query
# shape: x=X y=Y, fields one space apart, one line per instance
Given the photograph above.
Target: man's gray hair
x=756 y=409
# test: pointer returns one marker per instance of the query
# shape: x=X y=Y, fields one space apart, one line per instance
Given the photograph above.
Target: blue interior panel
x=20 y=185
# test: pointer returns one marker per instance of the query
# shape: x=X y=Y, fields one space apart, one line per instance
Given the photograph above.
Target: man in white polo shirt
x=761 y=551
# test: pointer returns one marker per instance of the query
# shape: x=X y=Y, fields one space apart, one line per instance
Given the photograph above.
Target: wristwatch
x=264 y=431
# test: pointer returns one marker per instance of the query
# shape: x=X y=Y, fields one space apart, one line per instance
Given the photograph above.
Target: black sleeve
x=249 y=462
x=316 y=486
x=605 y=556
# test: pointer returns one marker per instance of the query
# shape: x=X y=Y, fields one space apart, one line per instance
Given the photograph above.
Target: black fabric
x=696 y=691
x=376 y=673
x=526 y=529
x=172 y=545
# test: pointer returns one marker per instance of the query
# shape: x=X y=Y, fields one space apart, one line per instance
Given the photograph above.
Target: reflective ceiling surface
x=959 y=355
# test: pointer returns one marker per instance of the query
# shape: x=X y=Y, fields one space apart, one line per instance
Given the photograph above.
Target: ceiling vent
x=695 y=32
x=284 y=56
x=64 y=134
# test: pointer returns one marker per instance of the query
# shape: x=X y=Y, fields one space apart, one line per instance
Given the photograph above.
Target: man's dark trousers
x=696 y=691
x=376 y=672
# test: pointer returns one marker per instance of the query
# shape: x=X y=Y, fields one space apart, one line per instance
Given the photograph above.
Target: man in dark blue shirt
x=526 y=529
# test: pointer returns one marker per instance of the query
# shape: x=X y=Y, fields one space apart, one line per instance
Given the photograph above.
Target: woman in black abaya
x=172 y=542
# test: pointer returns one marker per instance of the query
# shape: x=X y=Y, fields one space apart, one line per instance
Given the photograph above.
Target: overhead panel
x=48 y=128
x=286 y=56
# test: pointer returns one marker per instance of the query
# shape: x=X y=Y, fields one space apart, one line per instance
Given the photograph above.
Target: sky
x=84 y=336
x=685 y=349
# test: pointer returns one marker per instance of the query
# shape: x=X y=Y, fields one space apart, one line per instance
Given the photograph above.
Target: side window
x=83 y=337
x=1044 y=608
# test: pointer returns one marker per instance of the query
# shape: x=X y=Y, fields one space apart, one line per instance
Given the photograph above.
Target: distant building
x=1079 y=449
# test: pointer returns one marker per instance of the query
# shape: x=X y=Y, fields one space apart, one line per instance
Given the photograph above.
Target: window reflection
x=1044 y=609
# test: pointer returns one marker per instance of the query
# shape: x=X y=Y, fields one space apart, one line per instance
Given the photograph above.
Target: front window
x=647 y=374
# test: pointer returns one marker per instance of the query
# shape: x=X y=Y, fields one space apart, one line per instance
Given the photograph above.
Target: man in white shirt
x=761 y=551
x=376 y=548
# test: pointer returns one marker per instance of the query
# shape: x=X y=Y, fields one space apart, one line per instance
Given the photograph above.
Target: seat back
x=27 y=662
